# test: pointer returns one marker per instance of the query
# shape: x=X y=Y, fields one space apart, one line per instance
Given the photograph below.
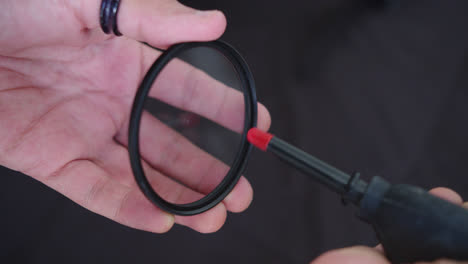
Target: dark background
x=381 y=88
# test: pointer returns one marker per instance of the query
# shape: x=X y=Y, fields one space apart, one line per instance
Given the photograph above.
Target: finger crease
x=119 y=209
x=97 y=187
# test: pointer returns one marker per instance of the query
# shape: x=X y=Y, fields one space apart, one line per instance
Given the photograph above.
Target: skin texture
x=367 y=255
x=65 y=94
x=66 y=91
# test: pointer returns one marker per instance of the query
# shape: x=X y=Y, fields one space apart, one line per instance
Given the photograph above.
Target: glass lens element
x=190 y=130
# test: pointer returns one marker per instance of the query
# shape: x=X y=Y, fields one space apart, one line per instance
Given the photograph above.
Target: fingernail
x=170 y=219
x=206 y=13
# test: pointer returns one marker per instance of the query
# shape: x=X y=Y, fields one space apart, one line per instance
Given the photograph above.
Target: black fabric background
x=381 y=89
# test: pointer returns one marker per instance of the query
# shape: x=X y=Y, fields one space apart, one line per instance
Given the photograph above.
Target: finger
x=443 y=261
x=447 y=194
x=380 y=248
x=352 y=255
x=206 y=222
x=160 y=23
x=451 y=196
x=93 y=188
x=241 y=196
x=186 y=87
x=175 y=156
x=98 y=186
x=165 y=22
x=167 y=188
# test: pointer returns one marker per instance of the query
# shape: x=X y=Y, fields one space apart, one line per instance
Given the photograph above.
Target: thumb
x=352 y=255
x=162 y=23
x=447 y=194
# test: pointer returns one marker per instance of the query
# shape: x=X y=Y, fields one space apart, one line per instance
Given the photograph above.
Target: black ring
x=240 y=162
x=108 y=16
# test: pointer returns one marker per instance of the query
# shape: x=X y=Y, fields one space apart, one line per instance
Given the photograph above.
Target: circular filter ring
x=240 y=161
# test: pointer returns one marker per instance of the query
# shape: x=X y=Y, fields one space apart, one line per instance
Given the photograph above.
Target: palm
x=67 y=122
x=64 y=108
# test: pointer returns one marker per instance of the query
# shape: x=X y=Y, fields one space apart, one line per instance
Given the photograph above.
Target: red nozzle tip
x=258 y=138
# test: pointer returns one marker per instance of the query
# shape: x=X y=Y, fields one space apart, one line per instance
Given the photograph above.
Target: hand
x=66 y=91
x=367 y=255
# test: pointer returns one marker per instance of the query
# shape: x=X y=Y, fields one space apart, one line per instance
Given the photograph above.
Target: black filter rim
x=240 y=161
